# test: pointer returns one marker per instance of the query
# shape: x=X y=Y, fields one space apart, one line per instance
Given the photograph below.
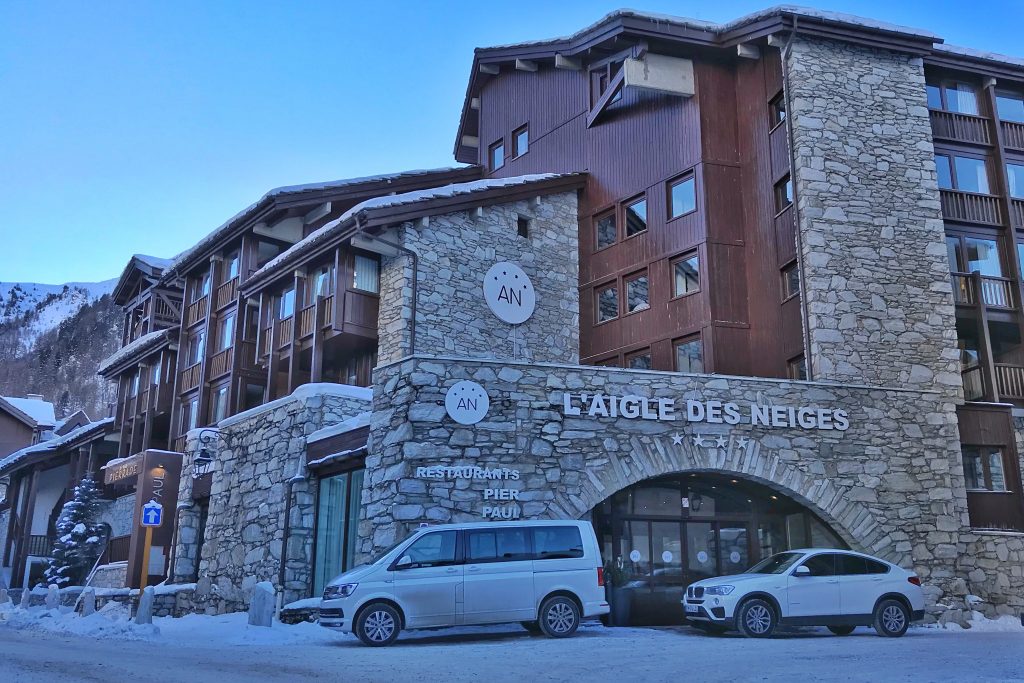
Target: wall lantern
x=203 y=462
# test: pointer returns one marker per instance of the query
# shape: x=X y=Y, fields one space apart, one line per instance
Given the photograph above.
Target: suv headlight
x=719 y=590
x=342 y=591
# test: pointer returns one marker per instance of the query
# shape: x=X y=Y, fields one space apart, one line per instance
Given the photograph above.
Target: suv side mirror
x=404 y=562
x=802 y=570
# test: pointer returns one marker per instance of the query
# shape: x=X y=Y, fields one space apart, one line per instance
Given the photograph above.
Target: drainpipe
x=414 y=257
x=805 y=324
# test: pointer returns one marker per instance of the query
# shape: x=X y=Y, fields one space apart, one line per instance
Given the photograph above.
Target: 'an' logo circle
x=509 y=293
x=466 y=402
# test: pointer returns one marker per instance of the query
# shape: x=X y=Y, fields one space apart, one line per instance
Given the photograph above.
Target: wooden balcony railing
x=996 y=292
x=950 y=125
x=143 y=405
x=179 y=443
x=196 y=311
x=307 y=321
x=247 y=358
x=117 y=549
x=225 y=293
x=327 y=306
x=163 y=311
x=220 y=363
x=1010 y=380
x=39 y=546
x=971 y=207
x=265 y=337
x=1017 y=207
x=284 y=332
x=190 y=377
x=974 y=386
x=1013 y=134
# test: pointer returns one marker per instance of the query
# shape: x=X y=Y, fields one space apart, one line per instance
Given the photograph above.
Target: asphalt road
x=594 y=655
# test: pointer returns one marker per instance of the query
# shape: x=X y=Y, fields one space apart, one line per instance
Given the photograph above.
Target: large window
x=984 y=468
x=231 y=267
x=286 y=304
x=635 y=213
x=202 y=287
x=322 y=281
x=189 y=415
x=337 y=520
x=219 y=404
x=682 y=196
x=1015 y=174
x=689 y=354
x=227 y=332
x=366 y=274
x=607 y=302
x=196 y=347
x=966 y=174
x=1010 y=106
x=637 y=293
x=686 y=274
x=967 y=254
x=954 y=96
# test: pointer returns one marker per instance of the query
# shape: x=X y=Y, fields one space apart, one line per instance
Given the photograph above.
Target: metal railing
x=950 y=125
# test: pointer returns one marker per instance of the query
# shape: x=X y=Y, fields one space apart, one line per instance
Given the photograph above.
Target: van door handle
x=451 y=570
x=472 y=569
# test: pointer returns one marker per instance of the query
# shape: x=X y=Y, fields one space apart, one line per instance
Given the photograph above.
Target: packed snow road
x=509 y=654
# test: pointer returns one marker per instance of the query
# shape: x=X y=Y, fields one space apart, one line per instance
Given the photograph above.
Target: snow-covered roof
x=54 y=445
x=154 y=262
x=224 y=228
x=360 y=420
x=403 y=199
x=980 y=54
x=40 y=412
x=135 y=349
x=302 y=392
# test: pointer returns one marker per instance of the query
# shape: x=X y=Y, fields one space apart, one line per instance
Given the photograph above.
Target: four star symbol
x=720 y=441
x=698 y=440
x=677 y=439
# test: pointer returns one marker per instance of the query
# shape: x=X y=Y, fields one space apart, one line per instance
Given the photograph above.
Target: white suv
x=545 y=574
x=812 y=587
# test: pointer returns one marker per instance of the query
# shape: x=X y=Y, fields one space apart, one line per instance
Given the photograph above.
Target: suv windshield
x=776 y=564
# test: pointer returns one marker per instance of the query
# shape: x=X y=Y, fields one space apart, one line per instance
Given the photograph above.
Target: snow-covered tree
x=79 y=538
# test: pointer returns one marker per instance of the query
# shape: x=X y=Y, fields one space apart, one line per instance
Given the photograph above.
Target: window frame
x=961 y=237
x=626 y=280
x=686 y=339
x=685 y=256
x=784 y=271
x=776 y=114
x=215 y=390
x=595 y=221
x=793 y=364
x=494 y=146
x=783 y=200
x=671 y=183
x=222 y=343
x=234 y=258
x=639 y=353
x=368 y=257
x=1009 y=95
x=951 y=157
x=1020 y=189
x=985 y=453
x=624 y=206
x=598 y=289
x=944 y=84
x=516 y=152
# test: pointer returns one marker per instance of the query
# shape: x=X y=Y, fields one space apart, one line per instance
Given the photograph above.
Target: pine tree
x=79 y=538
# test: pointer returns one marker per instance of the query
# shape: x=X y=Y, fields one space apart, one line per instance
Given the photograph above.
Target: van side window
x=498 y=545
x=433 y=550
x=557 y=542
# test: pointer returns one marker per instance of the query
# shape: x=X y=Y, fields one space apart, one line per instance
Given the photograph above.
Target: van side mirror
x=802 y=570
x=404 y=562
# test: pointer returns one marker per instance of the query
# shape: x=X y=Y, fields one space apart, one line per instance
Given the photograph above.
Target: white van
x=545 y=574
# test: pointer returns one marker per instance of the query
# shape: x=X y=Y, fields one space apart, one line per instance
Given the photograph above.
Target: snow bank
x=981 y=624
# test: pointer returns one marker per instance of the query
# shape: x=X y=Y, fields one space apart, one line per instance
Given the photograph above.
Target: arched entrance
x=661 y=534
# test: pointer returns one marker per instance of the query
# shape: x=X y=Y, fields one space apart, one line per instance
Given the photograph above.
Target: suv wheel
x=891 y=618
x=756 y=618
x=378 y=624
x=559 y=617
x=841 y=630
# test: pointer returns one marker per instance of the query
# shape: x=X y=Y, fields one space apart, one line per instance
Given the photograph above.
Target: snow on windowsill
x=360 y=420
x=305 y=391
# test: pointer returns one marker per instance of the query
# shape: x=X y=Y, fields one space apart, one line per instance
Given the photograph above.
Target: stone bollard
x=52 y=597
x=88 y=601
x=4 y=598
x=26 y=598
x=261 y=607
x=144 y=614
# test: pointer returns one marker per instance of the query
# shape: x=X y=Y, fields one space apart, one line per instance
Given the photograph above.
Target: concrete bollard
x=52 y=597
x=26 y=598
x=144 y=614
x=261 y=607
x=88 y=602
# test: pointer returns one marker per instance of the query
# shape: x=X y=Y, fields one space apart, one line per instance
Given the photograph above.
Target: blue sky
x=132 y=127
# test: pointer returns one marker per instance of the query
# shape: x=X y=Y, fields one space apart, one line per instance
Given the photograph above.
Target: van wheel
x=532 y=626
x=891 y=618
x=841 y=630
x=756 y=619
x=559 y=617
x=378 y=624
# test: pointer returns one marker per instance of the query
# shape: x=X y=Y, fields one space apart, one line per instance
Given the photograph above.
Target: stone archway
x=752 y=460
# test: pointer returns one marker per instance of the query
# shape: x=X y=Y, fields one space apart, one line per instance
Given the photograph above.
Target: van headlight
x=719 y=590
x=342 y=591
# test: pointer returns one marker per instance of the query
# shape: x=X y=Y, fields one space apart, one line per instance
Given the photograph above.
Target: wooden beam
x=474 y=103
x=526 y=65
x=491 y=69
x=606 y=97
x=470 y=141
x=569 y=63
x=317 y=213
x=748 y=51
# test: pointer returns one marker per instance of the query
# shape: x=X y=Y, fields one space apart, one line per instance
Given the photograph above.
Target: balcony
x=190 y=377
x=226 y=293
x=996 y=292
x=247 y=359
x=970 y=207
x=39 y=546
x=265 y=336
x=1017 y=207
x=307 y=321
x=1009 y=383
x=196 y=311
x=284 y=332
x=1013 y=134
x=948 y=125
x=117 y=549
x=220 y=363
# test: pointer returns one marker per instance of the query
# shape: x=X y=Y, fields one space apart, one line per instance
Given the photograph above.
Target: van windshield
x=776 y=564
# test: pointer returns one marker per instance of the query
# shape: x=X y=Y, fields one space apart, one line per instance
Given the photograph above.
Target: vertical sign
x=159 y=475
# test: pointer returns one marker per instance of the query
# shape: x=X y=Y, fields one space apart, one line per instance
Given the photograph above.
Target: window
x=190 y=415
x=337 y=520
x=227 y=332
x=366 y=274
x=637 y=293
x=796 y=368
x=983 y=468
x=1010 y=106
x=521 y=141
x=496 y=154
x=682 y=196
x=231 y=268
x=823 y=564
x=1015 y=174
x=133 y=386
x=777 y=109
x=966 y=174
x=557 y=542
x=968 y=254
x=154 y=374
x=607 y=303
x=604 y=228
x=954 y=96
x=523 y=227
x=253 y=395
x=612 y=362
x=855 y=565
x=286 y=304
x=266 y=251
x=202 y=287
x=689 y=355
x=322 y=281
x=499 y=545
x=640 y=360
x=686 y=275
x=790 y=280
x=599 y=80
x=636 y=217
x=783 y=194
x=432 y=550
x=219 y=404
x=196 y=347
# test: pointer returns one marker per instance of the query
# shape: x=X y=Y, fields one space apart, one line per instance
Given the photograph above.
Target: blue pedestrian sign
x=152 y=513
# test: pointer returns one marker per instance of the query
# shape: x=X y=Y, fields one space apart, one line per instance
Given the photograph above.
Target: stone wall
x=455 y=251
x=885 y=485
x=878 y=297
x=260 y=452
x=119 y=514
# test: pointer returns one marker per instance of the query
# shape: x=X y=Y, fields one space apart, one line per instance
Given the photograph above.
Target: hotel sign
x=633 y=407
x=128 y=468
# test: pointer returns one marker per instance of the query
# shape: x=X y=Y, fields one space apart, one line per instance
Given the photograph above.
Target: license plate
x=691 y=608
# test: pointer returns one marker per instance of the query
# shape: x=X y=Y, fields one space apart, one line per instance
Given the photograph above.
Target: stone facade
x=879 y=302
x=454 y=252
x=119 y=514
x=260 y=459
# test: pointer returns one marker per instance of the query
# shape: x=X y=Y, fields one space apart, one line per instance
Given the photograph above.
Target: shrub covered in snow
x=79 y=538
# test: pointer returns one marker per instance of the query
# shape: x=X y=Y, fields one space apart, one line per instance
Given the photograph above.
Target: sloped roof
x=52 y=446
x=151 y=267
x=33 y=412
x=135 y=350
